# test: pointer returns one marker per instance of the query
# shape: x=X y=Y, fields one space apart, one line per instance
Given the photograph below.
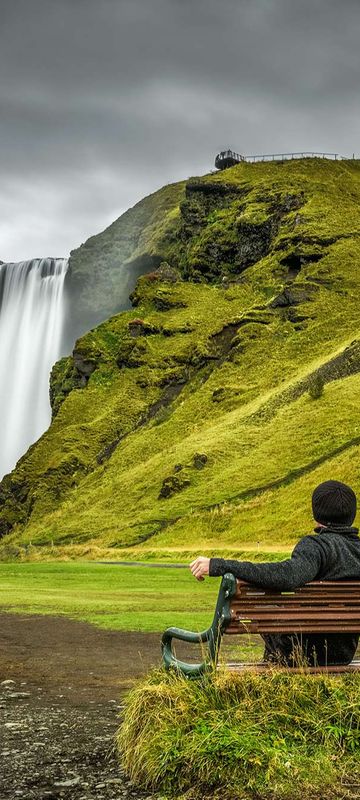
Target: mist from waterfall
x=31 y=329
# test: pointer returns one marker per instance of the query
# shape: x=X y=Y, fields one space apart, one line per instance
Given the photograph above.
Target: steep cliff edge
x=103 y=270
x=204 y=415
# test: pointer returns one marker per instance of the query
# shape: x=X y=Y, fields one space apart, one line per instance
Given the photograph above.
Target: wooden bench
x=317 y=607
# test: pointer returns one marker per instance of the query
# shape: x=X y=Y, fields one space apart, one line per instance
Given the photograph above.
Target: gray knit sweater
x=333 y=554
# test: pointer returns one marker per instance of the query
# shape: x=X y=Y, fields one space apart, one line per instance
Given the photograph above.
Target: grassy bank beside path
x=244 y=737
x=109 y=596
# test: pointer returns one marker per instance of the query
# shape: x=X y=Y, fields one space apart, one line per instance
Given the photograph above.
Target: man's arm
x=302 y=567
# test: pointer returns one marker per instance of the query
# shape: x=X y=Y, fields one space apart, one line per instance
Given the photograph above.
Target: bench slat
x=289 y=627
x=307 y=597
x=320 y=586
x=315 y=593
x=295 y=613
x=264 y=666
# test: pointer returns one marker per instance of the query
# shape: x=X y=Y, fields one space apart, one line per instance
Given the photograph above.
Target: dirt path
x=61 y=684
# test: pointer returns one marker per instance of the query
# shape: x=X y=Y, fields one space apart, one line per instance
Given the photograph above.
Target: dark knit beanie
x=334 y=503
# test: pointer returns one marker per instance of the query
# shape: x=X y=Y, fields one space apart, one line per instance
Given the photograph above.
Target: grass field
x=117 y=597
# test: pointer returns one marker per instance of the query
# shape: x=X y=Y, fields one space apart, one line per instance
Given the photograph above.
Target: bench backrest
x=320 y=606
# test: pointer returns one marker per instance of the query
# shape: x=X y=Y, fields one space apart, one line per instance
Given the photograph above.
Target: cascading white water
x=31 y=327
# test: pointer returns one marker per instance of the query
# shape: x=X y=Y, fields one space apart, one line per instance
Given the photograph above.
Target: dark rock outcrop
x=200 y=460
x=293 y=296
x=173 y=484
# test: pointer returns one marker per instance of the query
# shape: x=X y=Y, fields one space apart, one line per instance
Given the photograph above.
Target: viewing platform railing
x=227 y=158
x=289 y=156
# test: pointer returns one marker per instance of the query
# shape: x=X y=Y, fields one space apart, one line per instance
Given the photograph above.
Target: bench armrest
x=170 y=659
x=211 y=637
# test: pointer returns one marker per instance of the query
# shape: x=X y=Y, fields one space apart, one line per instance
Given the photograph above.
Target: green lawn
x=117 y=597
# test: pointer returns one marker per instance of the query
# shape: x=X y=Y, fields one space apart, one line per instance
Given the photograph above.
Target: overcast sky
x=104 y=101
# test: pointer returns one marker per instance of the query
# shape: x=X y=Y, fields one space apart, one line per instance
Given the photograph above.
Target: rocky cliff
x=104 y=269
x=204 y=415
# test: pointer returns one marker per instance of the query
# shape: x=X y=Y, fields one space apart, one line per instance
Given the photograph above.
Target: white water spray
x=31 y=327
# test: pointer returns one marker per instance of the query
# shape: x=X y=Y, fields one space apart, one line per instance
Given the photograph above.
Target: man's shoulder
x=309 y=540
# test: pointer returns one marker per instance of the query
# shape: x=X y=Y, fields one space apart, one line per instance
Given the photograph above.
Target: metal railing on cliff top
x=227 y=158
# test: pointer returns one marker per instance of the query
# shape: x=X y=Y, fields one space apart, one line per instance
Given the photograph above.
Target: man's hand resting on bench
x=200 y=567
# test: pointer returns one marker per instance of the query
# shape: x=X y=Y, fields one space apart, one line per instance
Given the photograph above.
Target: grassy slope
x=267 y=443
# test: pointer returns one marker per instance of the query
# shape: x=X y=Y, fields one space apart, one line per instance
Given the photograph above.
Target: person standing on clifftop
x=332 y=554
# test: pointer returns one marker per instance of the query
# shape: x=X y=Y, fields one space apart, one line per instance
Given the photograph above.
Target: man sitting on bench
x=330 y=555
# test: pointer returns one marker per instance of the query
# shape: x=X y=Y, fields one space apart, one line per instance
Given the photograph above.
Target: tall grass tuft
x=244 y=736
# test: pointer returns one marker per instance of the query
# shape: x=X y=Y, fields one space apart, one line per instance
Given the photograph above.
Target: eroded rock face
x=166 y=273
x=202 y=198
x=84 y=366
x=293 y=296
x=139 y=327
x=71 y=372
x=254 y=242
x=220 y=235
x=295 y=261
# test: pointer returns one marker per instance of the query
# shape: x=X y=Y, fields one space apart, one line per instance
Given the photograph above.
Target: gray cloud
x=103 y=102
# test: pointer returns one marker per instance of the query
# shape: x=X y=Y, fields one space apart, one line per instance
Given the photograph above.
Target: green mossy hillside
x=190 y=421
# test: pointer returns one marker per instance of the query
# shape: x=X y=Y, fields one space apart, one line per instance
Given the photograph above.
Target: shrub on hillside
x=244 y=736
x=316 y=386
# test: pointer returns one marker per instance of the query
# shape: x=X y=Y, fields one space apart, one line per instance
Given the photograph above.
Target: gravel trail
x=61 y=688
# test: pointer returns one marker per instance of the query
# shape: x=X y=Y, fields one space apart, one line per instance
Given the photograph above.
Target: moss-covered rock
x=63 y=379
x=173 y=484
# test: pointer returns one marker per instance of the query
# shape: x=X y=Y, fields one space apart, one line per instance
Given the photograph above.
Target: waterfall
x=31 y=328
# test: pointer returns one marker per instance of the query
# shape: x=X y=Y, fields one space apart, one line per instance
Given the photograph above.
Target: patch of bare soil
x=61 y=684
